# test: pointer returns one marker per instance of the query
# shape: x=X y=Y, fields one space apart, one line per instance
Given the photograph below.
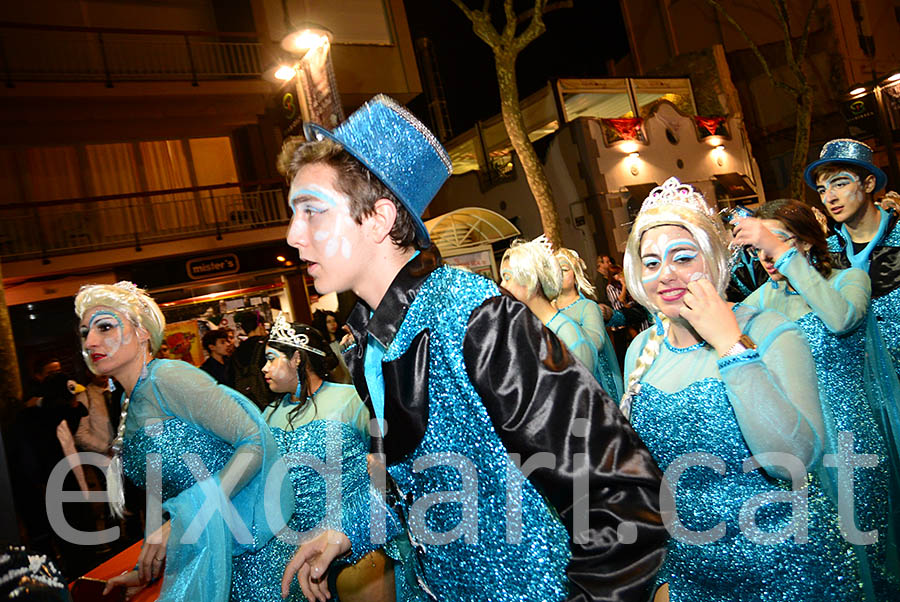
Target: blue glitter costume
x=587 y=314
x=692 y=402
x=832 y=314
x=330 y=498
x=468 y=377
x=180 y=424
x=881 y=259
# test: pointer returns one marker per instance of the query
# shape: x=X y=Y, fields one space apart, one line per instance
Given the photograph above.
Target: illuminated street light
x=857 y=91
x=629 y=147
x=285 y=72
x=894 y=78
x=306 y=38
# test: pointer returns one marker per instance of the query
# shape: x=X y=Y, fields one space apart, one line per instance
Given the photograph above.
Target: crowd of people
x=498 y=442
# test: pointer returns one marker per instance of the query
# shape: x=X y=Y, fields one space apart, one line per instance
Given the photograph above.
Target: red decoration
x=628 y=128
x=710 y=124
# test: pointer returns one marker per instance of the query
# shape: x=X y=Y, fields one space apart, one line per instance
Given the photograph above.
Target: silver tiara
x=674 y=193
x=282 y=332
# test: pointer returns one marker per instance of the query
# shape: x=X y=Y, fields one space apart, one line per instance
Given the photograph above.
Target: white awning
x=469 y=227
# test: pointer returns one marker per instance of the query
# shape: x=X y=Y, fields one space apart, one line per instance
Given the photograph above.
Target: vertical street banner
x=316 y=83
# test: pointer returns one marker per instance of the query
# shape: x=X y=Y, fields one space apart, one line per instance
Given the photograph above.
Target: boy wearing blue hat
x=867 y=236
x=515 y=473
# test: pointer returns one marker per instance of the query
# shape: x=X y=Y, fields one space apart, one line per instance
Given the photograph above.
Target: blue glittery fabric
x=885 y=308
x=839 y=354
x=699 y=418
x=587 y=314
x=326 y=498
x=478 y=563
x=691 y=402
x=180 y=420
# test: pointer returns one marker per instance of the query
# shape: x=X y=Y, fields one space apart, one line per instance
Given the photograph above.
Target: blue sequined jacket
x=476 y=387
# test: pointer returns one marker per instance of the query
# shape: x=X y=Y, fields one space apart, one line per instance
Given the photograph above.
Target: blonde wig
x=578 y=267
x=143 y=312
x=130 y=301
x=672 y=204
x=532 y=264
x=676 y=204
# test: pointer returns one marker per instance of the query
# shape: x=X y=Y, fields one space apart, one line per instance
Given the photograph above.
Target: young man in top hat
x=515 y=472
x=867 y=235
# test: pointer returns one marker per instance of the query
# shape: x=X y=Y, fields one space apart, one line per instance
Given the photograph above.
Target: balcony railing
x=45 y=53
x=30 y=230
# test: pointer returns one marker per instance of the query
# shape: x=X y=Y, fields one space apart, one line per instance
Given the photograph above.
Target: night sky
x=577 y=43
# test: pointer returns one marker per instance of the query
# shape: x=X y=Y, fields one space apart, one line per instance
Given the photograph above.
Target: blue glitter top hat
x=848 y=152
x=397 y=148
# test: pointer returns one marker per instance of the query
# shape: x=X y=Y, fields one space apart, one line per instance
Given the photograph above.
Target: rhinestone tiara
x=282 y=332
x=674 y=193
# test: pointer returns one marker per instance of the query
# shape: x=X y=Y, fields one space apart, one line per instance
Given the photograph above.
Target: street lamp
x=306 y=37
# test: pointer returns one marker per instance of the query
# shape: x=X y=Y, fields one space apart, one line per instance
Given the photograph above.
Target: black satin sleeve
x=537 y=396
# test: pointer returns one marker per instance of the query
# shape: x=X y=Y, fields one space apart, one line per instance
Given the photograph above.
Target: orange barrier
x=88 y=587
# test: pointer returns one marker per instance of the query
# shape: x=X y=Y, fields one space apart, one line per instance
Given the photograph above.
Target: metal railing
x=44 y=53
x=30 y=230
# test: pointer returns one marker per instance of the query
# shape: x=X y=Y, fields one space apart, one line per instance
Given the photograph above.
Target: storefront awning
x=469 y=227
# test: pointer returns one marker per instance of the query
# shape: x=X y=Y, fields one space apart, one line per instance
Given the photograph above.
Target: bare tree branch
x=549 y=8
x=534 y=29
x=784 y=19
x=481 y=24
x=509 y=30
x=804 y=39
x=759 y=55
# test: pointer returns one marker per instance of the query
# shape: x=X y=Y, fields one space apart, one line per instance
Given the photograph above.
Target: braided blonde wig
x=532 y=264
x=578 y=267
x=143 y=312
x=689 y=210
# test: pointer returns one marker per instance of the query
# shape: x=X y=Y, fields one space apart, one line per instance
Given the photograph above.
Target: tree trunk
x=505 y=62
x=801 y=142
x=10 y=385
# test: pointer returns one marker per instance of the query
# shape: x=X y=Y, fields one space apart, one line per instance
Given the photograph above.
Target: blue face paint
x=837 y=181
x=681 y=256
x=316 y=193
x=96 y=316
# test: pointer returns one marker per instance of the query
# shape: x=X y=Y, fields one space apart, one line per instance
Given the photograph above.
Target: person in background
x=830 y=306
x=575 y=302
x=315 y=418
x=327 y=323
x=218 y=364
x=43 y=367
x=866 y=235
x=301 y=374
x=531 y=274
x=249 y=358
x=232 y=340
x=603 y=264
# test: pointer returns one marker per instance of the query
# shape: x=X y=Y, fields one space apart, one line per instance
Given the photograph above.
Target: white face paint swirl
x=324 y=231
x=671 y=260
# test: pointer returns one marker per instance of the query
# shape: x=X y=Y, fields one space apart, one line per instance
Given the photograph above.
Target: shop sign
x=861 y=115
x=209 y=267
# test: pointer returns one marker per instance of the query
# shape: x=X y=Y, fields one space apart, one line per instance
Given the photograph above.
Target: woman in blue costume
x=710 y=386
x=830 y=306
x=531 y=274
x=574 y=302
x=314 y=423
x=199 y=448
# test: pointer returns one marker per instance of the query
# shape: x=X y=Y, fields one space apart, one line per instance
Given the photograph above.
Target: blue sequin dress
x=203 y=451
x=832 y=314
x=587 y=314
x=327 y=461
x=694 y=408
